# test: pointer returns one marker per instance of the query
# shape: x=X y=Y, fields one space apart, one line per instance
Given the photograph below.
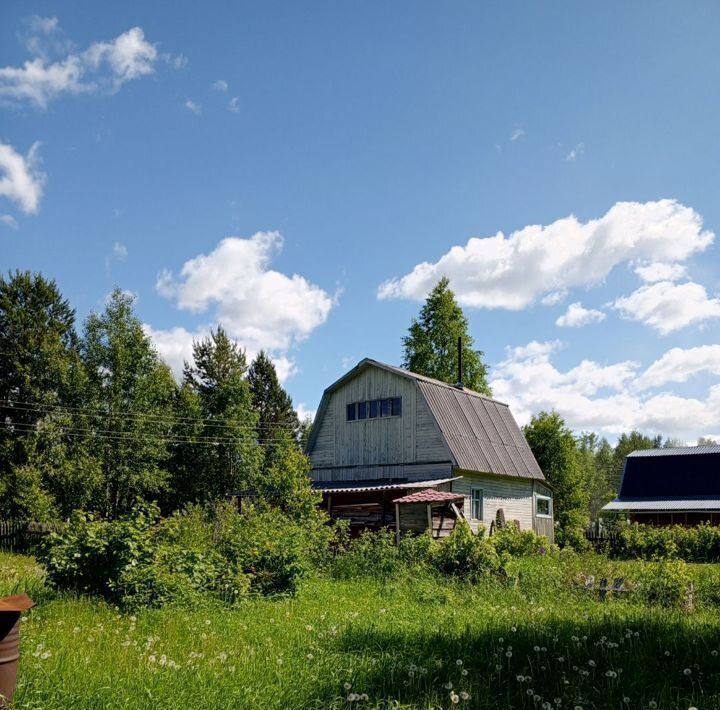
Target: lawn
x=411 y=642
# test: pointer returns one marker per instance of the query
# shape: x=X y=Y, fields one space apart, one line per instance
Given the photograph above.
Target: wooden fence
x=24 y=535
x=598 y=535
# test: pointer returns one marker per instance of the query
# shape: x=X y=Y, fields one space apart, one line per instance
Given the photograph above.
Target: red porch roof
x=430 y=496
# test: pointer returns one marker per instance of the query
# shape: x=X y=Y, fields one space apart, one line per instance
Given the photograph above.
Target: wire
x=107 y=435
x=156 y=418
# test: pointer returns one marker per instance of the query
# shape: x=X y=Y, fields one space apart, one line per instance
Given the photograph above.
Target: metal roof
x=362 y=486
x=481 y=433
x=665 y=504
x=678 y=451
x=429 y=496
x=689 y=473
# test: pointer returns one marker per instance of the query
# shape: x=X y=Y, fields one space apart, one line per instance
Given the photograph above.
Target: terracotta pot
x=10 y=608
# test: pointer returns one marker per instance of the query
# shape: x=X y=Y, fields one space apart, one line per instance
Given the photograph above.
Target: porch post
x=429 y=512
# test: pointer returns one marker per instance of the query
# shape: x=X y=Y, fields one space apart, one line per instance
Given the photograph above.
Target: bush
x=664 y=583
x=194 y=555
x=518 y=543
x=465 y=555
x=648 y=542
x=371 y=554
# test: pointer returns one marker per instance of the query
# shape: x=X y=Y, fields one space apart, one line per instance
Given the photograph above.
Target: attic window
x=375 y=409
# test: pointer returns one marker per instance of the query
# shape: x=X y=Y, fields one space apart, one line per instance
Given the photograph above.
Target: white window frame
x=543 y=515
x=481 y=501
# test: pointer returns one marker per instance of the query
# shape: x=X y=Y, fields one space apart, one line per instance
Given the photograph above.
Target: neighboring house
x=382 y=433
x=671 y=486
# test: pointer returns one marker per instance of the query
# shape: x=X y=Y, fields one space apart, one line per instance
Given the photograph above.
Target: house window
x=542 y=506
x=375 y=408
x=476 y=503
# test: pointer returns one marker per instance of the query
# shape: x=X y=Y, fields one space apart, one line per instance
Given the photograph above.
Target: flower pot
x=10 y=609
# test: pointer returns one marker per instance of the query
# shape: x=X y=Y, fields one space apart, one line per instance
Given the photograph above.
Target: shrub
x=196 y=554
x=664 y=583
x=517 y=543
x=463 y=554
x=371 y=554
x=648 y=542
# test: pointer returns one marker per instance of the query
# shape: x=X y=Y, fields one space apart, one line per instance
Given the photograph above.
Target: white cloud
x=174 y=345
x=260 y=307
x=577 y=316
x=513 y=271
x=102 y=66
x=680 y=364
x=120 y=251
x=575 y=153
x=9 y=220
x=667 y=306
x=659 y=271
x=20 y=177
x=234 y=104
x=220 y=85
x=176 y=61
x=193 y=107
x=305 y=412
x=597 y=397
x=517 y=134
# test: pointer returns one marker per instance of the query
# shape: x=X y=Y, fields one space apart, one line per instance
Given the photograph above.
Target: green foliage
x=129 y=397
x=197 y=554
x=430 y=348
x=462 y=554
x=555 y=449
x=596 y=462
x=271 y=402
x=39 y=369
x=217 y=398
x=649 y=542
x=515 y=542
x=665 y=583
x=371 y=554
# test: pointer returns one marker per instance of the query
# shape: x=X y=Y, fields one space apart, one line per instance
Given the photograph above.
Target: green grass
x=401 y=643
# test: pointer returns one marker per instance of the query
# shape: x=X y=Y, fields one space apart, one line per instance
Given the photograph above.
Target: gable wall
x=409 y=439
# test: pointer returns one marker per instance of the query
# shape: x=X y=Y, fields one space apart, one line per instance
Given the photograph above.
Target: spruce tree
x=230 y=456
x=271 y=402
x=430 y=348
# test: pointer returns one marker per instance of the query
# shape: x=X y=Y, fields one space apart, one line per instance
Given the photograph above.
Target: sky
x=304 y=173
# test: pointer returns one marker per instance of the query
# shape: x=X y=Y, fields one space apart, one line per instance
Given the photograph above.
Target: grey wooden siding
x=513 y=495
x=383 y=443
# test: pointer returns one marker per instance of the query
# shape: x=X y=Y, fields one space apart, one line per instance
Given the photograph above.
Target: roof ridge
x=433 y=381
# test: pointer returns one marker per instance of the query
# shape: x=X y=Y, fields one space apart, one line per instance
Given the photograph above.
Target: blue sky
x=338 y=147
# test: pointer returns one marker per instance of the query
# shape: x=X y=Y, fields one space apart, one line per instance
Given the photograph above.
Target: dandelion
x=463 y=672
x=465 y=695
x=626 y=700
x=454 y=698
x=687 y=671
x=520 y=678
x=652 y=704
x=508 y=654
x=536 y=649
x=448 y=685
x=347 y=686
x=667 y=653
x=591 y=663
x=530 y=691
x=458 y=662
x=45 y=655
x=364 y=696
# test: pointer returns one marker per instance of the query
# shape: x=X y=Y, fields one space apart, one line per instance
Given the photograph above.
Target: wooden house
x=382 y=434
x=670 y=486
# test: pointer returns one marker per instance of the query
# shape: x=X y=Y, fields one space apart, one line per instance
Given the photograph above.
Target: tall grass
x=412 y=641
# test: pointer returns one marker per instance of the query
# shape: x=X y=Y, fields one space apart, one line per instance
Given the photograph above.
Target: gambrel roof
x=480 y=432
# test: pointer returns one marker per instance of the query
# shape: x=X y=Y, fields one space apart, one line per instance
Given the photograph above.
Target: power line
x=107 y=435
x=153 y=418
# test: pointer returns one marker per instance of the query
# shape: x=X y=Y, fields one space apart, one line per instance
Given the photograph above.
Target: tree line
x=95 y=419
